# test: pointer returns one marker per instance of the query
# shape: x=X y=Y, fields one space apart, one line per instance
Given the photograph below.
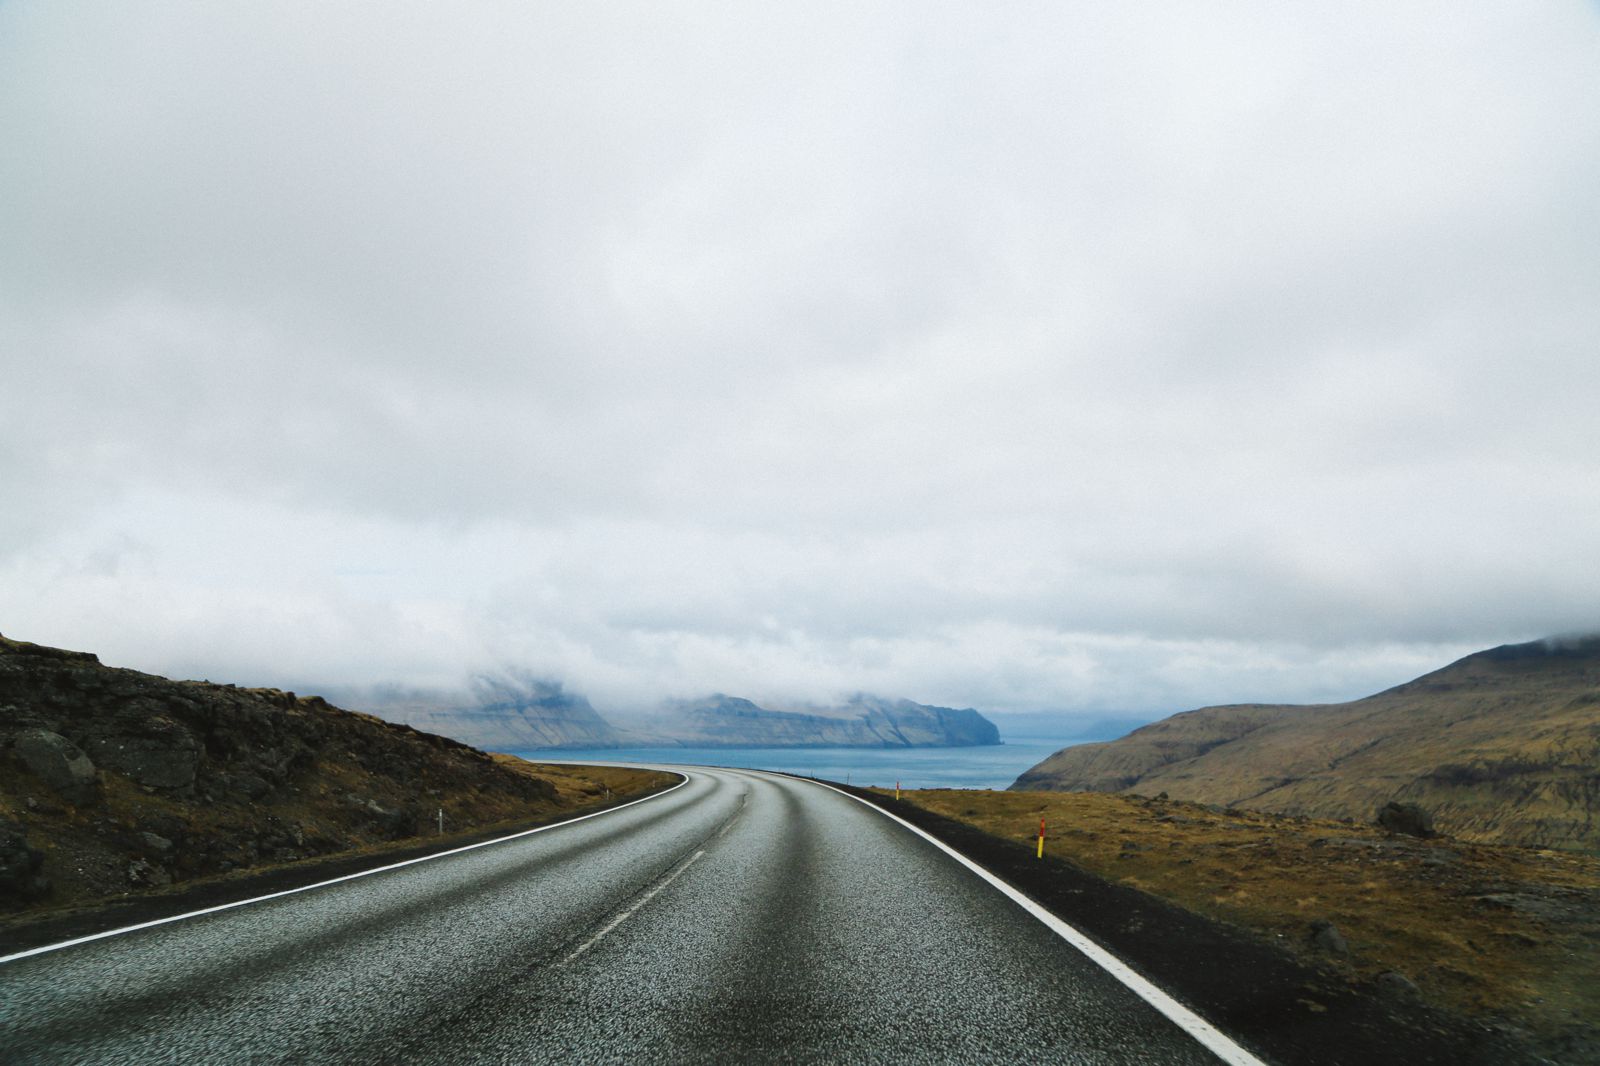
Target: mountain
x=862 y=722
x=521 y=714
x=500 y=714
x=1501 y=746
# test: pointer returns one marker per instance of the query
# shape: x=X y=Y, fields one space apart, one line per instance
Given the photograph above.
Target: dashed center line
x=629 y=913
x=656 y=889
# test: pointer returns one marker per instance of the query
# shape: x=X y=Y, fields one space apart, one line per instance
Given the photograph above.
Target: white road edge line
x=629 y=913
x=336 y=880
x=1213 y=1039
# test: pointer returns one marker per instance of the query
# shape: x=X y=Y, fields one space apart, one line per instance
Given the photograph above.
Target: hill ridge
x=1501 y=745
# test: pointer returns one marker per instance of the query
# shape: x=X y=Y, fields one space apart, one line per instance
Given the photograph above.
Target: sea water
x=989 y=766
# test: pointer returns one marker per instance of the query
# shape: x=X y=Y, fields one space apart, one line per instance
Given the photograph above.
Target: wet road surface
x=742 y=917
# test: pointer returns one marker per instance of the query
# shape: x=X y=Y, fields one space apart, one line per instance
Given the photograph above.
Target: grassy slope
x=585 y=786
x=1501 y=746
x=1502 y=933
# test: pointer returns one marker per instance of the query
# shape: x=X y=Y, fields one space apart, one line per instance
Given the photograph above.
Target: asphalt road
x=742 y=917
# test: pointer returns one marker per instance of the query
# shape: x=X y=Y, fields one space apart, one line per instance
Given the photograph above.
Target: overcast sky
x=1030 y=357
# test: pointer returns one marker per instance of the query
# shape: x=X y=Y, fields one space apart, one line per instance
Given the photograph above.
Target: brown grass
x=580 y=785
x=1488 y=930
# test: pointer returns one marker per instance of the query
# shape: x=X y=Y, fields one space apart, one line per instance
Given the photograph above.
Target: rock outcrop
x=1503 y=745
x=1406 y=818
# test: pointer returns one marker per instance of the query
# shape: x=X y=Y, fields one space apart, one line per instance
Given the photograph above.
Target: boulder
x=1395 y=986
x=59 y=763
x=393 y=824
x=1325 y=936
x=156 y=843
x=143 y=873
x=1406 y=818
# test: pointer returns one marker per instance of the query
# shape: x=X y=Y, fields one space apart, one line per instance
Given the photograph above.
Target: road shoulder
x=1263 y=996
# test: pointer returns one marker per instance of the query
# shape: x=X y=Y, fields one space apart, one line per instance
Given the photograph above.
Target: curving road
x=741 y=917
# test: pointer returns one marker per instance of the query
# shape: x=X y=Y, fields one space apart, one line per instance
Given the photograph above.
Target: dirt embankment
x=118 y=784
x=1505 y=938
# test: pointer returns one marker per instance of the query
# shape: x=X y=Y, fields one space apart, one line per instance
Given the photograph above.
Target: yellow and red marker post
x=1040 y=854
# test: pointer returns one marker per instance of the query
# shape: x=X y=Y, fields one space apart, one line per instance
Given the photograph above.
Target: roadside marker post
x=1040 y=855
x=441 y=821
x=897 y=790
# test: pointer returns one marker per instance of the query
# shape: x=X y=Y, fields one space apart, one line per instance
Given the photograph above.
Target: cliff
x=1501 y=746
x=863 y=721
x=525 y=714
x=500 y=714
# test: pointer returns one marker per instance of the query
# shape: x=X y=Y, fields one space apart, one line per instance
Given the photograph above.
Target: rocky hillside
x=864 y=721
x=112 y=780
x=1503 y=745
x=501 y=714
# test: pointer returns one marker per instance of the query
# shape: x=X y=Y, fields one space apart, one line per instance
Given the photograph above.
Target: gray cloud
x=1034 y=358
